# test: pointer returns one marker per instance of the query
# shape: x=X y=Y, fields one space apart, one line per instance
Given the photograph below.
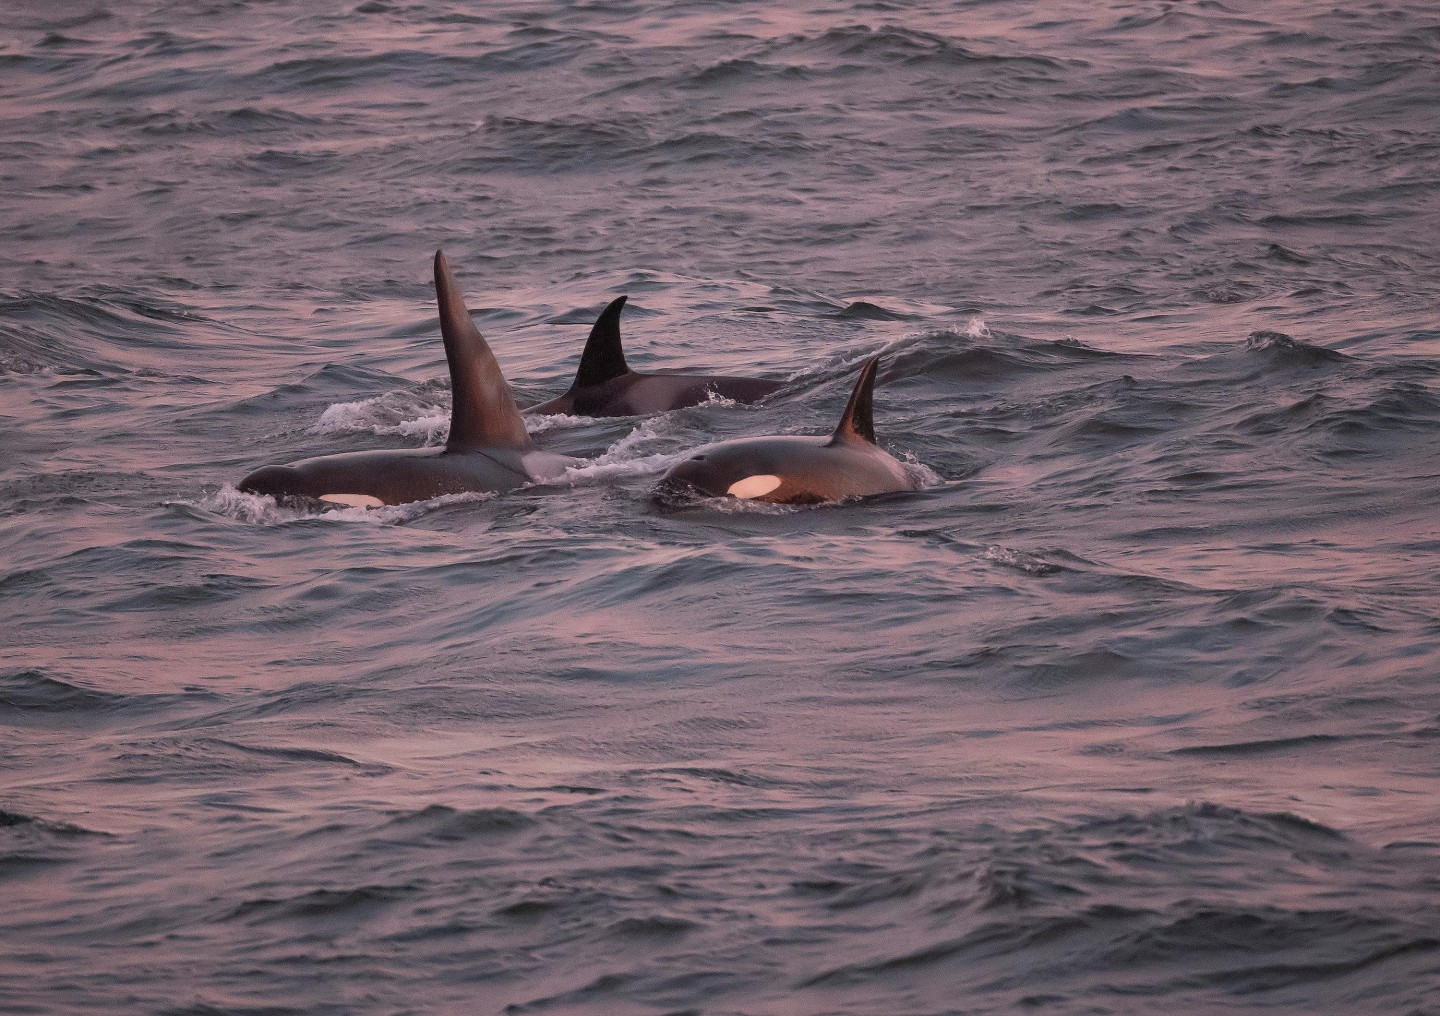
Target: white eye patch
x=353 y=500
x=754 y=486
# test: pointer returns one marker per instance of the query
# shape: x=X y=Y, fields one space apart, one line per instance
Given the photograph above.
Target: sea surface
x=1133 y=708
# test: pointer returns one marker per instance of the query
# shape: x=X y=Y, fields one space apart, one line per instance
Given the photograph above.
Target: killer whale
x=794 y=469
x=606 y=386
x=488 y=448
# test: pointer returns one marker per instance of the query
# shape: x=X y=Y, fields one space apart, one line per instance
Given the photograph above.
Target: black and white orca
x=794 y=469
x=488 y=448
x=606 y=386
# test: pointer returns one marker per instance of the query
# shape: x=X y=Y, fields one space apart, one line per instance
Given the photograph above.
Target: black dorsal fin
x=482 y=413
x=603 y=359
x=857 y=423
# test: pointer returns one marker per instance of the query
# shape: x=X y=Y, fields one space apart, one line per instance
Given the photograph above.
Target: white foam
x=922 y=475
x=392 y=413
x=556 y=421
x=1019 y=560
x=749 y=506
x=716 y=399
x=639 y=441
x=633 y=455
x=257 y=509
x=593 y=473
x=403 y=414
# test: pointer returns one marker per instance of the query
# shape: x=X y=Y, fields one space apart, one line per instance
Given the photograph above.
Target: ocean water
x=1134 y=707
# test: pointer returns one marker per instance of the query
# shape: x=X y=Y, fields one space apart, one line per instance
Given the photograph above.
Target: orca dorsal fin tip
x=603 y=359
x=857 y=423
x=482 y=412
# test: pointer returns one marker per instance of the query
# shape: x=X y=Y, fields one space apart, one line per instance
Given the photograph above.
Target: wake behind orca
x=606 y=386
x=794 y=469
x=488 y=448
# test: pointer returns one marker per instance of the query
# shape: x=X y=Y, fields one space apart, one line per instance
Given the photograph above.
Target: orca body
x=794 y=469
x=606 y=386
x=488 y=448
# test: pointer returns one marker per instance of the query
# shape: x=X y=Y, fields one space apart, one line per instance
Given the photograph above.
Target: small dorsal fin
x=603 y=358
x=482 y=413
x=857 y=423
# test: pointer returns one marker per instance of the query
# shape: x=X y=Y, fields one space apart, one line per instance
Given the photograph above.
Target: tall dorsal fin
x=603 y=358
x=857 y=423
x=482 y=413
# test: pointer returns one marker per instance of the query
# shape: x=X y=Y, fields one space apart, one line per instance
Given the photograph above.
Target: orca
x=606 y=386
x=794 y=469
x=488 y=448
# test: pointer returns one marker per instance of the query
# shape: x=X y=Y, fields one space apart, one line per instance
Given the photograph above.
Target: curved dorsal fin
x=482 y=413
x=857 y=423
x=603 y=359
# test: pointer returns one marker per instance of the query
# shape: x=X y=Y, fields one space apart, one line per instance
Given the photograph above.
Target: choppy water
x=1133 y=709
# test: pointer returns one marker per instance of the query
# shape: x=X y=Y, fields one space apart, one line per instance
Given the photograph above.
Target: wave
x=30 y=843
x=1356 y=420
x=862 y=47
x=442 y=823
x=727 y=74
x=1033 y=902
x=96 y=335
x=35 y=693
x=14 y=820
x=851 y=50
x=1284 y=351
x=1271 y=746
x=864 y=310
x=204 y=759
x=302 y=755
x=320 y=905
x=240 y=121
x=421 y=68
x=567 y=142
x=976 y=353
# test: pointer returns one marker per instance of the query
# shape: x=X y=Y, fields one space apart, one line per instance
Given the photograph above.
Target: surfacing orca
x=794 y=469
x=488 y=448
x=606 y=386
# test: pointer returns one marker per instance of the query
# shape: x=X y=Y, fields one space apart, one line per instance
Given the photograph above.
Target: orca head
x=276 y=481
x=719 y=471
